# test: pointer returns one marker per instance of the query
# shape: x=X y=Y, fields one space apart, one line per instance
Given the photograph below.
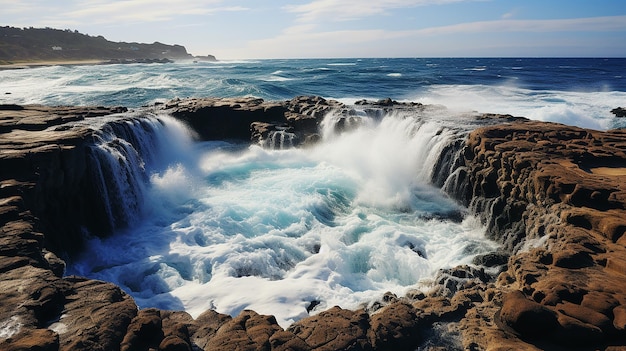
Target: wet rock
x=619 y=112
x=144 y=332
x=96 y=315
x=395 y=327
x=247 y=331
x=586 y=315
x=574 y=332
x=31 y=296
x=492 y=259
x=572 y=258
x=31 y=339
x=312 y=305
x=274 y=136
x=312 y=106
x=206 y=326
x=387 y=102
x=223 y=119
x=619 y=318
x=452 y=280
x=552 y=195
x=334 y=329
x=287 y=341
x=528 y=318
x=156 y=329
x=600 y=302
x=253 y=119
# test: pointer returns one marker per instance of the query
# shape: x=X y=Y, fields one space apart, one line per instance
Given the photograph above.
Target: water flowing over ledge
x=339 y=222
x=552 y=195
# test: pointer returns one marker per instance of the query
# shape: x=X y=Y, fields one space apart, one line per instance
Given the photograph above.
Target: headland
x=37 y=47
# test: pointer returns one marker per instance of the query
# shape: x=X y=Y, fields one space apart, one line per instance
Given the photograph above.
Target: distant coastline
x=36 y=47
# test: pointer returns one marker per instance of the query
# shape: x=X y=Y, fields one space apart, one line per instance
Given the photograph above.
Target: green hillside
x=48 y=44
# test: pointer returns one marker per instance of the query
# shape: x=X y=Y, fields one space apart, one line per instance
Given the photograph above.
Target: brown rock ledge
x=253 y=119
x=553 y=195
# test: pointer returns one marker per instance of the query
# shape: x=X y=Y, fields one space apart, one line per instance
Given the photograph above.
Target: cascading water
x=232 y=227
x=279 y=139
x=118 y=158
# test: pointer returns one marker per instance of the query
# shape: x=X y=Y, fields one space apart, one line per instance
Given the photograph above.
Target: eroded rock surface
x=253 y=119
x=553 y=195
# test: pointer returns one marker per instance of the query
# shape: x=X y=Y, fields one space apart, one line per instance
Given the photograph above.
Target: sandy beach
x=32 y=64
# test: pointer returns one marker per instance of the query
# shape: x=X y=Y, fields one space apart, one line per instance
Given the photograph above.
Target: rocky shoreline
x=553 y=195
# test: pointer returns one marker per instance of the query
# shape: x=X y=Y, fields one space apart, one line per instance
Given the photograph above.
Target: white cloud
x=90 y=12
x=295 y=43
x=590 y=24
x=508 y=15
x=305 y=41
x=16 y=12
x=132 y=11
x=143 y=10
x=339 y=10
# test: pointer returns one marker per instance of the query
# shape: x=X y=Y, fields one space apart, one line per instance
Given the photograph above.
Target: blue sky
x=349 y=28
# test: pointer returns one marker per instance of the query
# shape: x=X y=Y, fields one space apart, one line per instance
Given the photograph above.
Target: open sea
x=232 y=226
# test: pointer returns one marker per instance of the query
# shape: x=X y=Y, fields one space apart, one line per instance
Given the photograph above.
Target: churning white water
x=232 y=227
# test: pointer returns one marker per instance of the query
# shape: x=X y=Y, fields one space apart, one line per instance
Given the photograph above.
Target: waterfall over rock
x=339 y=221
x=118 y=170
x=120 y=159
x=279 y=139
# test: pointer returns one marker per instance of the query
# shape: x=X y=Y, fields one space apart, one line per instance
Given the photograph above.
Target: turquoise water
x=572 y=91
x=233 y=226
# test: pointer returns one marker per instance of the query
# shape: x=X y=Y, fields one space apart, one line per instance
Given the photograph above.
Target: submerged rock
x=619 y=112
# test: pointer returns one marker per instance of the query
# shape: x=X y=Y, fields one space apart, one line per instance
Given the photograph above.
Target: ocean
x=293 y=231
x=576 y=91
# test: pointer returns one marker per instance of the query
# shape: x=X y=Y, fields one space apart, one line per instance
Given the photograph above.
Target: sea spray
x=575 y=91
x=122 y=151
x=582 y=109
x=232 y=227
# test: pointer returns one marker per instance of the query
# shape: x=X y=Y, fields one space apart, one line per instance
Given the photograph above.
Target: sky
x=254 y=29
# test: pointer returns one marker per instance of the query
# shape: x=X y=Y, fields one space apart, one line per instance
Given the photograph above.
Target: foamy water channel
x=231 y=227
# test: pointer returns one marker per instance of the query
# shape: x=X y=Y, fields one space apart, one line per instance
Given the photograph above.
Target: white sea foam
x=277 y=79
x=479 y=69
x=58 y=327
x=273 y=230
x=10 y=327
x=583 y=109
x=547 y=98
x=229 y=227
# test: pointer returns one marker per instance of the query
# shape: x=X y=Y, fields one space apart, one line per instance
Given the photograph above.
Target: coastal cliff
x=48 y=44
x=552 y=195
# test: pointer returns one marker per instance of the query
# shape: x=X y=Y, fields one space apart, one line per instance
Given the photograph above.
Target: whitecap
x=277 y=79
x=479 y=68
x=582 y=109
